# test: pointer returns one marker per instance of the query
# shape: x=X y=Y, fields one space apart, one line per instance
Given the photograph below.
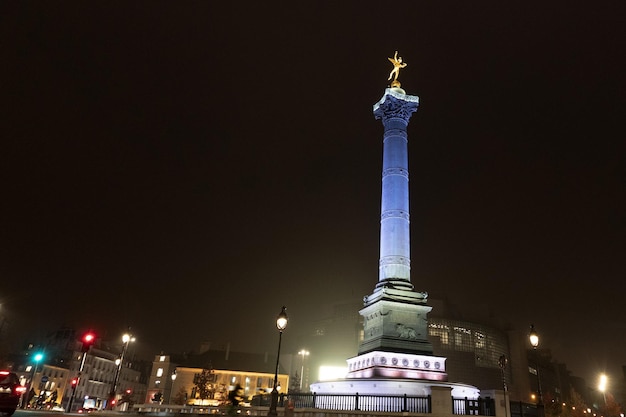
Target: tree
x=205 y=384
x=181 y=397
x=221 y=393
x=576 y=407
x=611 y=408
x=294 y=383
x=552 y=407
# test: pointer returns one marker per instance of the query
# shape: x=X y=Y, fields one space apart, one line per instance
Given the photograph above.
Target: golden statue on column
x=397 y=66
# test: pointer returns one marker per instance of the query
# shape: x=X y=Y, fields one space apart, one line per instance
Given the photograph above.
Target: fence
x=477 y=407
x=520 y=409
x=382 y=403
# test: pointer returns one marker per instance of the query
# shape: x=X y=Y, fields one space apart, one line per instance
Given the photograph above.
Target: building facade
x=49 y=369
x=173 y=383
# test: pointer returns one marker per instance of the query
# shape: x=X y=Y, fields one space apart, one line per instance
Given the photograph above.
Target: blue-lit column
x=394 y=315
x=395 y=110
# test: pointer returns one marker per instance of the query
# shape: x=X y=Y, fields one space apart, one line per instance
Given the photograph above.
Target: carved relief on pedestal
x=405 y=332
x=374 y=331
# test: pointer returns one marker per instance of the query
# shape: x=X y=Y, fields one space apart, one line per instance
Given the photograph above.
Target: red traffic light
x=88 y=339
x=74 y=382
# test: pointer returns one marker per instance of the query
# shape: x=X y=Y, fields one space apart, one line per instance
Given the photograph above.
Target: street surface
x=47 y=413
x=37 y=413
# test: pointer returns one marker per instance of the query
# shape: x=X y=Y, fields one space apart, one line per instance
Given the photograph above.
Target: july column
x=395 y=109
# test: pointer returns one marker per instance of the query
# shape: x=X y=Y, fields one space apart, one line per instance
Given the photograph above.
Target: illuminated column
x=395 y=110
x=394 y=315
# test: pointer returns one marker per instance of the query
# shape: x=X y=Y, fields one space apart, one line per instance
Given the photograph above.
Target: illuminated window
x=162 y=359
x=159 y=372
x=441 y=331
x=480 y=340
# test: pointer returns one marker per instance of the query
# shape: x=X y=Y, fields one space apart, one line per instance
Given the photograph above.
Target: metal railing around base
x=357 y=402
x=477 y=407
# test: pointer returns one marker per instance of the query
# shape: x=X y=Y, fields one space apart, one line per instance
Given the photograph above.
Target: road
x=44 y=413
x=41 y=413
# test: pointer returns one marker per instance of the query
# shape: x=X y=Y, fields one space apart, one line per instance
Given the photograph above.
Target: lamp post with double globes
x=281 y=324
x=534 y=342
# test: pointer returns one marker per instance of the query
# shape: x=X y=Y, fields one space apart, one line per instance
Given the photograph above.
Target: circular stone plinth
x=370 y=386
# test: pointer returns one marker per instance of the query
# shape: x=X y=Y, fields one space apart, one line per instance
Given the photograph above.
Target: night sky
x=187 y=168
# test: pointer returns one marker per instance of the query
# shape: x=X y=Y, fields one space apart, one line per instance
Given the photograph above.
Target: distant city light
x=332 y=372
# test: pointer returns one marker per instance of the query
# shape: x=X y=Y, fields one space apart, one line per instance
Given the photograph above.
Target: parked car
x=10 y=392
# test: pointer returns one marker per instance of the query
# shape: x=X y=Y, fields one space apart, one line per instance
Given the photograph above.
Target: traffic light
x=74 y=382
x=88 y=339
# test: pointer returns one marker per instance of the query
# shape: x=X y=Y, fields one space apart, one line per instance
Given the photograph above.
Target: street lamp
x=534 y=342
x=281 y=323
x=126 y=339
x=502 y=362
x=302 y=353
x=602 y=386
x=173 y=376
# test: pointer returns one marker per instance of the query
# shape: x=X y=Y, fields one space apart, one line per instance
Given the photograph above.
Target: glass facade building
x=472 y=351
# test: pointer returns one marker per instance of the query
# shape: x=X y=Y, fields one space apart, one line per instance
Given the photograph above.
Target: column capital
x=395 y=104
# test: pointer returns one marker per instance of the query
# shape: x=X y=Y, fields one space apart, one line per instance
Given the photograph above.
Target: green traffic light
x=38 y=357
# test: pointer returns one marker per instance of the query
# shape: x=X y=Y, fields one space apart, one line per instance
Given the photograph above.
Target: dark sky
x=186 y=168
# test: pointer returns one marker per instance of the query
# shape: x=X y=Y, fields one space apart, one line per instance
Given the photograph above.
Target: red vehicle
x=10 y=392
